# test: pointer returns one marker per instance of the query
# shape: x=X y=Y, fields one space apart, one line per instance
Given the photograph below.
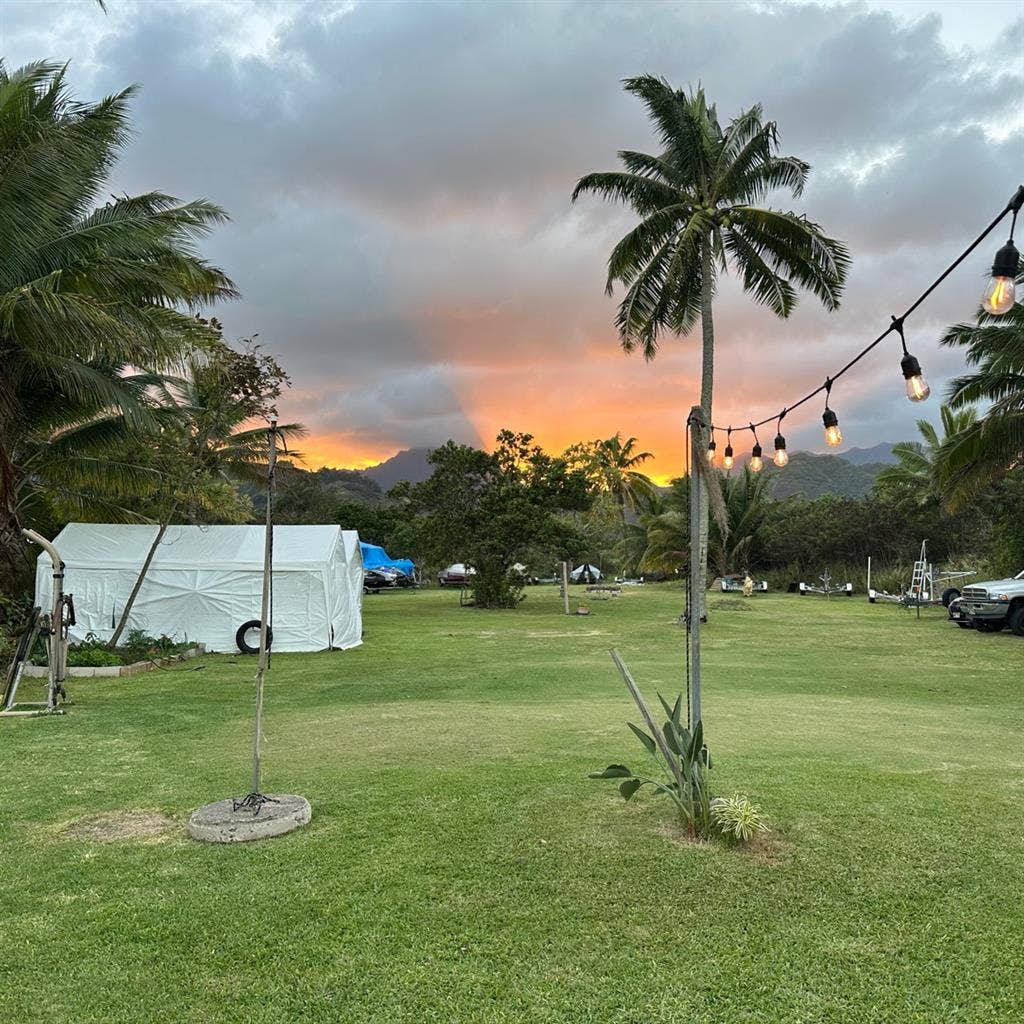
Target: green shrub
x=91 y=656
x=737 y=818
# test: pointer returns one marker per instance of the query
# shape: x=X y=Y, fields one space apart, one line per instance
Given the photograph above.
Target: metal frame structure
x=54 y=625
x=927 y=585
x=826 y=589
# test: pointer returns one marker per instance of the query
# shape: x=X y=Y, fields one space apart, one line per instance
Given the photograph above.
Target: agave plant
x=684 y=761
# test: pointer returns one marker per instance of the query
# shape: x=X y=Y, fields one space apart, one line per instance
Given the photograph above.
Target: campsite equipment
x=55 y=626
x=826 y=589
x=927 y=585
x=204 y=582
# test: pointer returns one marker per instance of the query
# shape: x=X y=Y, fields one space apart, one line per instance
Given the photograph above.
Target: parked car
x=456 y=575
x=994 y=604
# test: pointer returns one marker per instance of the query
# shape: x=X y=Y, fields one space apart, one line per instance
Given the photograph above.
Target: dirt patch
x=768 y=849
x=121 y=827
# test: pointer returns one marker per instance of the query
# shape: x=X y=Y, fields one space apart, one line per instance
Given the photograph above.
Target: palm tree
x=985 y=450
x=916 y=472
x=746 y=503
x=612 y=465
x=82 y=287
x=698 y=206
x=201 y=451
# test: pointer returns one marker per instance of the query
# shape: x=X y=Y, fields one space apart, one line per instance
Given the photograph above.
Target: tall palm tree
x=698 y=203
x=917 y=471
x=203 y=444
x=82 y=286
x=989 y=448
x=613 y=465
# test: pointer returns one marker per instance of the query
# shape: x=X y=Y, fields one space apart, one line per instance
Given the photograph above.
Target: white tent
x=587 y=572
x=205 y=581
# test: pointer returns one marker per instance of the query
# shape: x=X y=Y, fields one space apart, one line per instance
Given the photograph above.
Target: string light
x=727 y=462
x=917 y=386
x=711 y=449
x=999 y=298
x=780 y=458
x=833 y=435
x=1000 y=293
x=756 y=462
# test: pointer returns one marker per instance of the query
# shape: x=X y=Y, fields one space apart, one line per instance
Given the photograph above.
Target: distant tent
x=586 y=573
x=375 y=557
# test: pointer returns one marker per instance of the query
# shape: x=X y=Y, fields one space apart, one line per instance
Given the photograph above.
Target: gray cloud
x=398 y=177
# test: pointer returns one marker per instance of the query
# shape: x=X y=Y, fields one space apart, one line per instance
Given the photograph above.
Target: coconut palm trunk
x=707 y=383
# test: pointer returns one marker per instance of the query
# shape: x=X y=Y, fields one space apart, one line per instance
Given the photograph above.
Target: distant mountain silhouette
x=410 y=464
x=816 y=475
x=861 y=456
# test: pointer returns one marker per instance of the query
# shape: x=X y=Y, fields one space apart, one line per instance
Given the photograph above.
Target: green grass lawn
x=460 y=867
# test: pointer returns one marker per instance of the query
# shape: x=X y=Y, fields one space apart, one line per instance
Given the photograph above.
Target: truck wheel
x=1016 y=620
x=949 y=595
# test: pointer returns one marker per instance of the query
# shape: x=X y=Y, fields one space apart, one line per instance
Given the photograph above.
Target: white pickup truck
x=991 y=605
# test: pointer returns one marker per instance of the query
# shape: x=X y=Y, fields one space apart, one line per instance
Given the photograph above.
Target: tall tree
x=917 y=471
x=82 y=287
x=699 y=206
x=490 y=509
x=988 y=449
x=613 y=467
x=204 y=445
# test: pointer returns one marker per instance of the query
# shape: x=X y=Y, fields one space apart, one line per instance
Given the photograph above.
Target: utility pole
x=268 y=574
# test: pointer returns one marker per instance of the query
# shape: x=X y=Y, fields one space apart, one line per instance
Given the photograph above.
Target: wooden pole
x=565 y=586
x=696 y=595
x=268 y=573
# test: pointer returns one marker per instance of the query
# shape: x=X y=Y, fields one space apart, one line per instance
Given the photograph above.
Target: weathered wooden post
x=565 y=586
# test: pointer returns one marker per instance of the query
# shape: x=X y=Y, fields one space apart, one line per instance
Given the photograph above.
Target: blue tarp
x=375 y=557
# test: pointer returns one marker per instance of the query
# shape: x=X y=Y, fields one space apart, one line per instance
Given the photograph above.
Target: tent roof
x=105 y=545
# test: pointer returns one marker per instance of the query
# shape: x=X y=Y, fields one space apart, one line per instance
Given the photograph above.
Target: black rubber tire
x=1015 y=620
x=242 y=644
x=949 y=595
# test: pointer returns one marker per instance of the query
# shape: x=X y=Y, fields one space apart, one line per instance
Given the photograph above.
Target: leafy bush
x=737 y=818
x=140 y=646
x=91 y=656
x=684 y=761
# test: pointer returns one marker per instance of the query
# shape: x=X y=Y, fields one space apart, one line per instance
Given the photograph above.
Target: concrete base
x=221 y=822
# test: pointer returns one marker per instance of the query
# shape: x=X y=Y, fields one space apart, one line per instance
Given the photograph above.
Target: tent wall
x=206 y=581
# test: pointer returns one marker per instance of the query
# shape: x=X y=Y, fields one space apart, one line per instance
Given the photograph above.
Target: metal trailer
x=928 y=586
x=826 y=589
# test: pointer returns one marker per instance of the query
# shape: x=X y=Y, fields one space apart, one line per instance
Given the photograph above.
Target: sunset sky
x=398 y=177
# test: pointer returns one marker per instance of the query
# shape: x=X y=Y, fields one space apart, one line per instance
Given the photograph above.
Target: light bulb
x=833 y=435
x=1000 y=293
x=999 y=296
x=711 y=453
x=913 y=378
x=780 y=458
x=727 y=461
x=756 y=462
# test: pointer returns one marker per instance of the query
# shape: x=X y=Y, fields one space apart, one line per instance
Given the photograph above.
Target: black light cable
x=999 y=298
